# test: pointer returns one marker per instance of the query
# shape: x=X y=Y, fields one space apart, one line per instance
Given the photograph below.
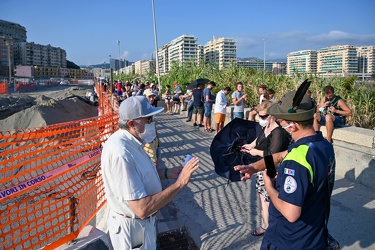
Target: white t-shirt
x=221 y=103
x=261 y=99
x=128 y=172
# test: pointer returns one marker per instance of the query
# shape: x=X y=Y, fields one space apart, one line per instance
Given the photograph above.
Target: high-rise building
x=255 y=63
x=338 y=60
x=183 y=49
x=220 y=51
x=33 y=54
x=144 y=67
x=366 y=60
x=279 y=68
x=13 y=30
x=302 y=61
x=163 y=58
x=200 y=54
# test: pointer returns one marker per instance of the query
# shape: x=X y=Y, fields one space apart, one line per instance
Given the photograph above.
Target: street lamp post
x=264 y=54
x=119 y=63
x=8 y=43
x=156 y=45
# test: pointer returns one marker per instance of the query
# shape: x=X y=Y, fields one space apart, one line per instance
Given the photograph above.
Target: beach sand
x=45 y=106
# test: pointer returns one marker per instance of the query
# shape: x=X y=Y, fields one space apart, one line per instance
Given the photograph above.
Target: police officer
x=300 y=192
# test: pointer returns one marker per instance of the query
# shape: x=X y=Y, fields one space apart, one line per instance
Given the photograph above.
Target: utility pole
x=8 y=43
x=119 y=62
x=156 y=46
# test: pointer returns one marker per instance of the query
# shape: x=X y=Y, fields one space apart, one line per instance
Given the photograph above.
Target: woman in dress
x=273 y=139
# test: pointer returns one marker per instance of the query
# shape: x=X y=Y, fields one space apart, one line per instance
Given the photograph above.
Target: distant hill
x=101 y=66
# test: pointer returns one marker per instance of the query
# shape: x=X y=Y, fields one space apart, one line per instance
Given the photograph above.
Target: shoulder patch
x=290 y=185
x=289 y=171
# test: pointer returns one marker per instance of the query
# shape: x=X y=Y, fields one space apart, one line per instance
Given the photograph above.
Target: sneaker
x=188 y=120
x=200 y=125
x=195 y=124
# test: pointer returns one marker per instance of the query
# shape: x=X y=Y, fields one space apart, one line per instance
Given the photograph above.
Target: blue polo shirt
x=207 y=92
x=301 y=182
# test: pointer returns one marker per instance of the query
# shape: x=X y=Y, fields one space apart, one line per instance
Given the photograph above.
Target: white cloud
x=125 y=55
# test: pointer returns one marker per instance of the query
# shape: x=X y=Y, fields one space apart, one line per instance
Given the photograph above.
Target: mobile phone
x=270 y=166
x=188 y=158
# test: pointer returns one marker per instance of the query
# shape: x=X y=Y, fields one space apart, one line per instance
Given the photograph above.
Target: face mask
x=149 y=134
x=290 y=125
x=263 y=123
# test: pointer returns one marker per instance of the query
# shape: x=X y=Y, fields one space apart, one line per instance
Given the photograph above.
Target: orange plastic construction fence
x=50 y=183
x=3 y=88
x=20 y=86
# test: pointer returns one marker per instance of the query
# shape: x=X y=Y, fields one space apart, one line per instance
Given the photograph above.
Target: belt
x=148 y=217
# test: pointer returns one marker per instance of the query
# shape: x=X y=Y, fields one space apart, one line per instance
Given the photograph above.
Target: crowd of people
x=294 y=203
x=331 y=111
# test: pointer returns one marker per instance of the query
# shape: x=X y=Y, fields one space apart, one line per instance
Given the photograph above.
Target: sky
x=88 y=30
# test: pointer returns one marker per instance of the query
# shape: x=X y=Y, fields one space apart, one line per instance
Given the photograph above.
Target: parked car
x=65 y=82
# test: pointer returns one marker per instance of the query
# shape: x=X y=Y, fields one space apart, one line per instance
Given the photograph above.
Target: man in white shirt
x=131 y=180
x=221 y=104
x=239 y=99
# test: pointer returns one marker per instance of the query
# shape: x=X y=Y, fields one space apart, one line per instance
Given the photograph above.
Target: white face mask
x=263 y=123
x=290 y=125
x=149 y=133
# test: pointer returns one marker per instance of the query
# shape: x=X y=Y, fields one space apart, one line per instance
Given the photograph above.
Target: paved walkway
x=220 y=216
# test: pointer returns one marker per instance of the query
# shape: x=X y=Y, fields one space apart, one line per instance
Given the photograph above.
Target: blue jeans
x=238 y=115
x=207 y=110
x=190 y=109
x=339 y=121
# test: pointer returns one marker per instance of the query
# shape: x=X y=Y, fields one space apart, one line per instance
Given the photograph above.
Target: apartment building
x=163 y=59
x=12 y=30
x=40 y=72
x=302 y=61
x=279 y=68
x=366 y=60
x=32 y=54
x=338 y=60
x=200 y=54
x=183 y=49
x=220 y=51
x=256 y=64
x=144 y=67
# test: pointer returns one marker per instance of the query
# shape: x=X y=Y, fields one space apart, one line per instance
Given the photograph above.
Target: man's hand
x=187 y=171
x=268 y=182
x=246 y=170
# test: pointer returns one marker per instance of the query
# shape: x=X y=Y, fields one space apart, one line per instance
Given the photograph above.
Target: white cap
x=136 y=107
x=148 y=92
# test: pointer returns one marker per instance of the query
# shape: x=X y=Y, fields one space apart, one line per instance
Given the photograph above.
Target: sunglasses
x=263 y=117
x=148 y=119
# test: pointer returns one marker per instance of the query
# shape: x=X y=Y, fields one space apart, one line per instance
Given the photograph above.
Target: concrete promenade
x=221 y=216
